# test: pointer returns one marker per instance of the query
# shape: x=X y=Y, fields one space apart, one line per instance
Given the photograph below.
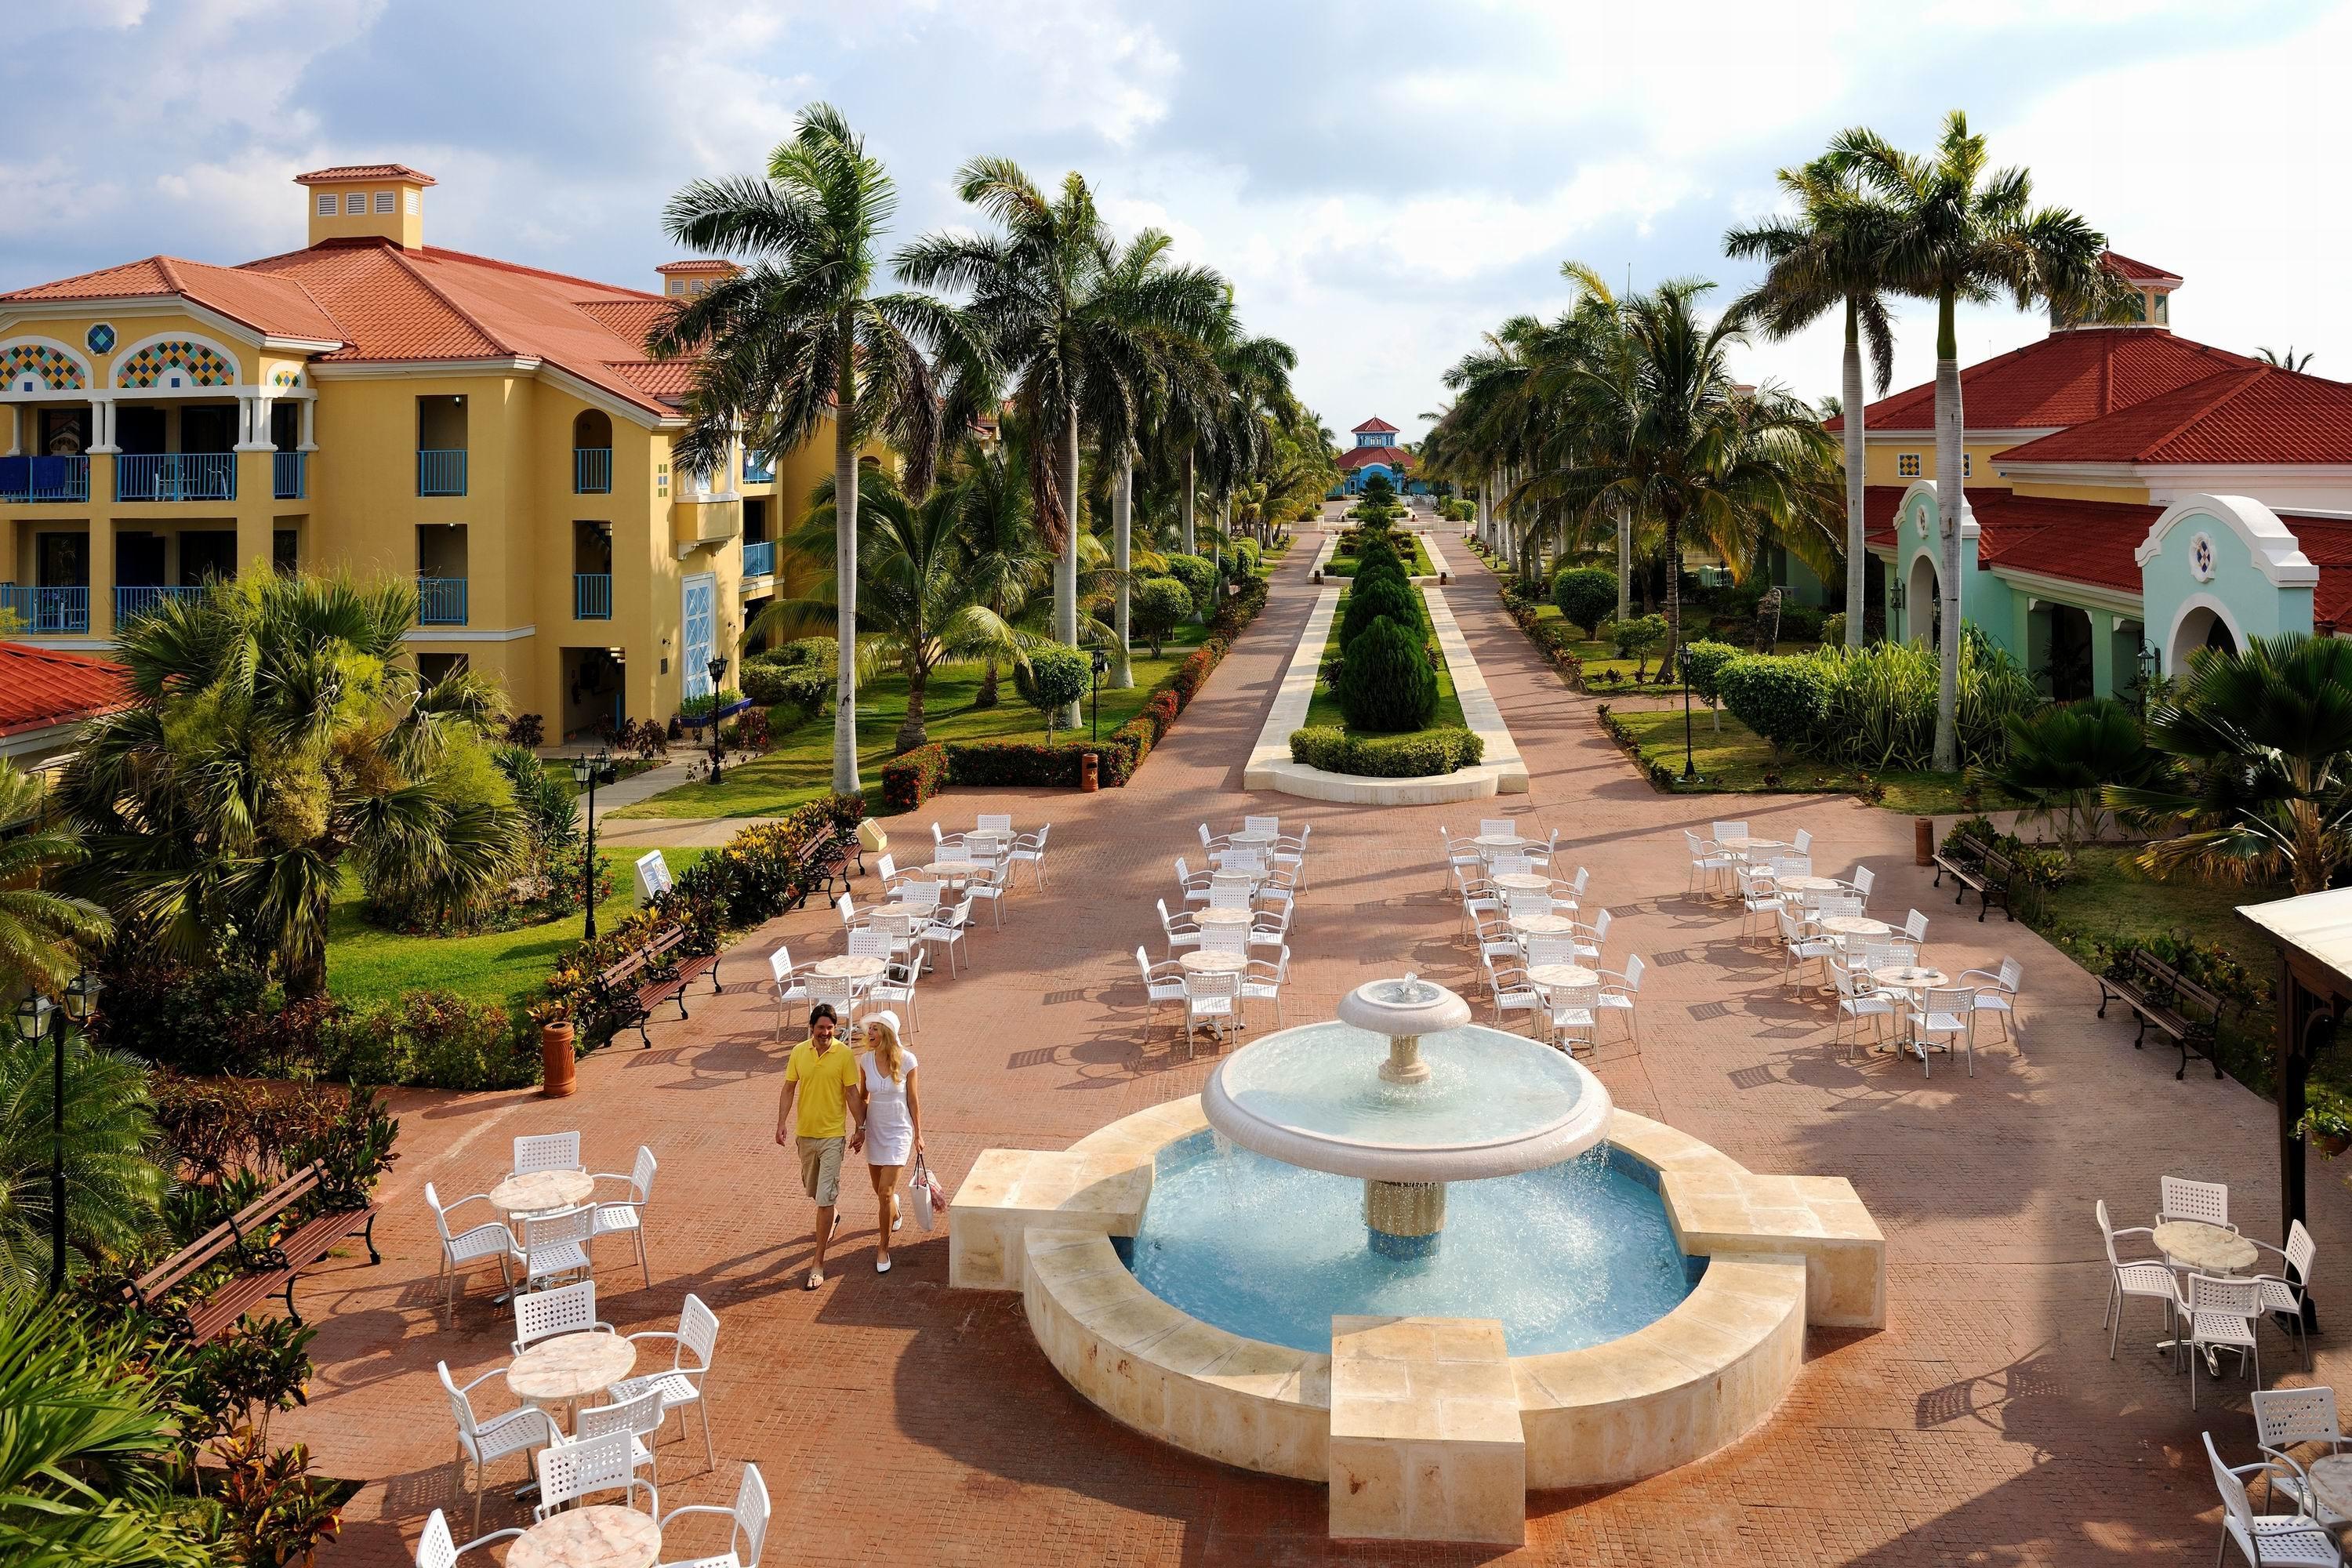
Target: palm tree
x=112 y=1188
x=1830 y=255
x=2290 y=360
x=1960 y=234
x=2263 y=741
x=275 y=726
x=39 y=929
x=1003 y=558
x=919 y=604
x=1076 y=324
x=798 y=339
x=87 y=1469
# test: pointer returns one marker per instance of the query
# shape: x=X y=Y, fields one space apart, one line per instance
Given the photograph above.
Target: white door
x=701 y=609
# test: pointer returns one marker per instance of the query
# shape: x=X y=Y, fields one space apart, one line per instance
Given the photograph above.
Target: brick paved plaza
x=898 y=1421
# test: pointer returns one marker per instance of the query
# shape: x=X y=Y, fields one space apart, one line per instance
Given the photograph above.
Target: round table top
x=2331 y=1479
x=600 y=1537
x=1793 y=884
x=850 y=966
x=1215 y=916
x=900 y=912
x=1741 y=846
x=1200 y=961
x=1504 y=841
x=571 y=1366
x=956 y=867
x=1248 y=840
x=1855 y=925
x=2204 y=1246
x=1913 y=978
x=1563 y=974
x=1527 y=881
x=1543 y=925
x=542 y=1192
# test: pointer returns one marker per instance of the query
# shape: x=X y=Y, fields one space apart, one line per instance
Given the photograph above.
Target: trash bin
x=1923 y=840
x=1089 y=771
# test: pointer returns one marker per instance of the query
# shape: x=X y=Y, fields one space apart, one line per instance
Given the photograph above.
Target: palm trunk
x=1857 y=558
x=986 y=697
x=1951 y=505
x=1624 y=561
x=912 y=731
x=844 y=546
x=1192 y=483
x=1066 y=569
x=1674 y=591
x=1122 y=517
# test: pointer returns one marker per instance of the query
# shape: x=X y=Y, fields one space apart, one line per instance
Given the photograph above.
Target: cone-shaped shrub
x=1386 y=684
x=1384 y=598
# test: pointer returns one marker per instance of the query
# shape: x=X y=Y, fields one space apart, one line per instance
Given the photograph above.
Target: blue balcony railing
x=592 y=595
x=289 y=474
x=758 y=557
x=50 y=612
x=591 y=470
x=759 y=467
x=175 y=475
x=132 y=602
x=440 y=472
x=44 y=479
x=441 y=601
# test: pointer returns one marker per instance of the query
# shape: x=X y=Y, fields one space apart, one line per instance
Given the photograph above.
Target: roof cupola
x=366 y=201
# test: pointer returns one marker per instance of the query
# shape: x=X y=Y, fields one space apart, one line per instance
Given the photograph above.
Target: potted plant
x=2326 y=1124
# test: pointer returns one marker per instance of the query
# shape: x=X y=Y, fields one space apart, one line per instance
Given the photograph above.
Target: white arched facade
x=2192 y=628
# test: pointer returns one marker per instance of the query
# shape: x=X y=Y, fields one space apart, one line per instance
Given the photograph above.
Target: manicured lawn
x=1419 y=565
x=799 y=768
x=367 y=964
x=1733 y=760
x=1324 y=708
x=1601 y=662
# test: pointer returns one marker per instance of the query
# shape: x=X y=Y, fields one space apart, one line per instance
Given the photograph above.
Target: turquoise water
x=1484 y=1086
x=1566 y=1257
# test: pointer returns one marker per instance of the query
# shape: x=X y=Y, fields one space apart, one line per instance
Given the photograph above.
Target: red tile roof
x=2075 y=541
x=41 y=687
x=275 y=307
x=2255 y=413
x=2061 y=380
x=1375 y=423
x=701 y=264
x=2327 y=542
x=2138 y=271
x=1879 y=504
x=1362 y=456
x=343 y=171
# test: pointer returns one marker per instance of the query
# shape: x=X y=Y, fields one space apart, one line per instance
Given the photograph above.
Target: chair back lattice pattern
x=2285 y=1416
x=638 y=1417
x=698 y=1331
x=570 y=1470
x=569 y=1310
x=2185 y=1199
x=546 y=1152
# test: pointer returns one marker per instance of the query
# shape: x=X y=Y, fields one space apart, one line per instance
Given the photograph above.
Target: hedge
x=1424 y=754
x=1554 y=637
x=912 y=777
x=1781 y=700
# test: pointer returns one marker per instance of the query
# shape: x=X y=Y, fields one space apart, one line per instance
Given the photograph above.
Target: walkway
x=896 y=1422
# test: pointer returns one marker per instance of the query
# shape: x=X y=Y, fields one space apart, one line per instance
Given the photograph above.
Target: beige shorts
x=821 y=1169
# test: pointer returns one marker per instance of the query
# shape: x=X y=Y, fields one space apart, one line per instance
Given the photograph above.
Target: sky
x=1382 y=182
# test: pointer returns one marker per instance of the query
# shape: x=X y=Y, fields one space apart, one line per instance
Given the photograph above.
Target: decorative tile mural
x=175 y=363
x=37 y=367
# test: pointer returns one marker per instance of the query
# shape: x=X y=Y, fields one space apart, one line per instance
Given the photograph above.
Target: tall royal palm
x=38 y=928
x=1075 y=323
x=1963 y=233
x=1831 y=256
x=799 y=338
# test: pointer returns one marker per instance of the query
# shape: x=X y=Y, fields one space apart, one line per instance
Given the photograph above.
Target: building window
x=384 y=202
x=2164 y=308
x=678 y=285
x=355 y=204
x=325 y=203
x=415 y=203
x=1907 y=465
x=1968 y=465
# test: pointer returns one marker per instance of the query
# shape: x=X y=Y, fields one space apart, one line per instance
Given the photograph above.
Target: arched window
x=592 y=453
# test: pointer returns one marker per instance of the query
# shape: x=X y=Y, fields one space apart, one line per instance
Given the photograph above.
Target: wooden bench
x=653 y=974
x=263 y=1269
x=825 y=858
x=2168 y=999
x=1978 y=868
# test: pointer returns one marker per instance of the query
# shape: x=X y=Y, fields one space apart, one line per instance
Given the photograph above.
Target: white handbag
x=924 y=1191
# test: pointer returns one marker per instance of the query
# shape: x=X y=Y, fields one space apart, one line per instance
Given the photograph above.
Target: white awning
x=2319 y=924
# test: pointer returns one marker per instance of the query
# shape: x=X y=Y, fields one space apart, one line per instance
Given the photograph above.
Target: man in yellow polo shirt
x=819 y=1075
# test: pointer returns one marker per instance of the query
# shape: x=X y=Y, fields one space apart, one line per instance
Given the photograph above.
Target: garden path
x=898 y=1421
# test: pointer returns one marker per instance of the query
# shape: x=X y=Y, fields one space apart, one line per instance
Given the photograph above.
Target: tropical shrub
x=1199 y=577
x=1421 y=755
x=912 y=777
x=1053 y=676
x=1386 y=684
x=1158 y=606
x=1703 y=665
x=1833 y=629
x=1801 y=623
x=1246 y=555
x=802 y=684
x=1635 y=637
x=1585 y=595
x=1381 y=599
x=526 y=730
x=435 y=1037
x=1779 y=699
x=2062 y=757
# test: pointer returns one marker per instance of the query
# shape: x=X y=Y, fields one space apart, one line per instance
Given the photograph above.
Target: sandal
x=816 y=1279
x=881 y=1266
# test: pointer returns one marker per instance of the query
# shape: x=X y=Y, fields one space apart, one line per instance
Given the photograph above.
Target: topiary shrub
x=1783 y=700
x=1703 y=665
x=1382 y=599
x=1587 y=595
x=1157 y=606
x=1386 y=684
x=1421 y=754
x=1055 y=675
x=1199 y=577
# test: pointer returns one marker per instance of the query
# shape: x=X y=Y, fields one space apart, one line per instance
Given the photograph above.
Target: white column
x=253 y=417
x=101 y=424
x=310 y=425
x=14 y=417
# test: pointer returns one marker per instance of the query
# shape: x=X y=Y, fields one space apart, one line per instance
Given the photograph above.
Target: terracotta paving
x=898 y=1421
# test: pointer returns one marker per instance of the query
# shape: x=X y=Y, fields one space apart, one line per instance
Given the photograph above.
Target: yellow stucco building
x=374 y=405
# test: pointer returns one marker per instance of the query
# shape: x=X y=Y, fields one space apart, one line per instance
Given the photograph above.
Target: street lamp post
x=718 y=748
x=588 y=772
x=1102 y=664
x=37 y=1015
x=1681 y=657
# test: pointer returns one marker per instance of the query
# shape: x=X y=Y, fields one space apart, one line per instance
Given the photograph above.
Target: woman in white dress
x=890 y=1123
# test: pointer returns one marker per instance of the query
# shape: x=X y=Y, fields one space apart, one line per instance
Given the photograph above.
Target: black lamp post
x=718 y=673
x=1681 y=657
x=37 y=1015
x=588 y=772
x=1102 y=664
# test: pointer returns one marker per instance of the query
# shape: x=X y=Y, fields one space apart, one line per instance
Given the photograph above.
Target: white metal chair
x=1182 y=931
x=948 y=928
x=2283 y=1290
x=1225 y=939
x=546 y=1152
x=1164 y=982
x=555 y=1246
x=1479 y=897
x=481 y=1444
x=1945 y=1013
x=1289 y=853
x=996 y=822
x=2148 y=1278
x=681 y=1382
x=2266 y=1541
x=1803 y=842
x=895 y=987
x=2219 y=1315
x=850 y=919
x=1865 y=878
x=2290 y=1418
x=1512 y=990
x=837 y=993
x=1251 y=862
x=1195 y=884
x=1569 y=1011
x=1857 y=1000
x=886 y=872
x=1619 y=989
x=1462 y=856
x=1497 y=940
x=569 y=1471
x=1576 y=886
x=1211 y=844
x=640 y=1417
x=1722 y=830
x=477 y=1243
x=436 y=1549
x=1997 y=994
x=1540 y=855
x=747 y=1525
x=1542 y=951
x=1914 y=927
x=1759 y=902
x=1270 y=928
x=2177 y=1197
x=988 y=887
x=1229 y=895
x=1588 y=938
x=922 y=892
x=1261 y=981
x=1214 y=1000
x=1707 y=862
x=784 y=985
x=566 y=1310
x=1497 y=827
x=884 y=939
x=1800 y=948
x=628 y=1215
x=1029 y=849
x=1262 y=824
x=1510 y=866
x=1278 y=886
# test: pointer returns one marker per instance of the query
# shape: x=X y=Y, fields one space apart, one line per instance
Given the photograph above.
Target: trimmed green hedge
x=1424 y=754
x=1385 y=681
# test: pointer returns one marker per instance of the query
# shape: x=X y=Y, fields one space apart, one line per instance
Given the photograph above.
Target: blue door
x=701 y=609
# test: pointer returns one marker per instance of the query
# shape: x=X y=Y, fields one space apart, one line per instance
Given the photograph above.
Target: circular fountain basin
x=1494 y=1104
x=1566 y=1257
